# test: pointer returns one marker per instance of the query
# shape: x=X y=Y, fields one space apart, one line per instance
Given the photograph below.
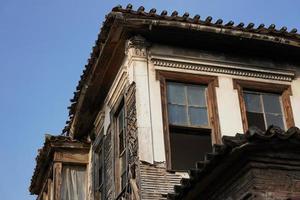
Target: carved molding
x=132 y=136
x=131 y=123
x=236 y=71
x=137 y=46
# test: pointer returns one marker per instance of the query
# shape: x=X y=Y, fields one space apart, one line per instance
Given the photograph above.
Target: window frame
x=98 y=149
x=283 y=90
x=212 y=109
x=187 y=106
x=72 y=165
x=117 y=155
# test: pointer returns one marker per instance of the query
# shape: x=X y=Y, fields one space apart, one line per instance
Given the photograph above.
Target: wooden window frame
x=98 y=148
x=212 y=107
x=115 y=113
x=284 y=90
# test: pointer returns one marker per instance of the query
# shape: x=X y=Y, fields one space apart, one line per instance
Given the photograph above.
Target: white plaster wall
x=156 y=116
x=295 y=101
x=149 y=112
x=136 y=70
x=228 y=107
x=140 y=77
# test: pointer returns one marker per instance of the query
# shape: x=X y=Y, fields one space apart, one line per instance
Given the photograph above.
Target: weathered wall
x=152 y=177
x=90 y=175
x=129 y=95
x=145 y=125
x=143 y=109
x=132 y=137
x=109 y=167
x=156 y=182
x=111 y=102
x=156 y=115
x=295 y=101
x=261 y=184
x=227 y=97
x=228 y=107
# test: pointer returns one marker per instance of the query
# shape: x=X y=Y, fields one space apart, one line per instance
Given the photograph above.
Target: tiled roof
x=174 y=16
x=187 y=22
x=233 y=147
x=44 y=154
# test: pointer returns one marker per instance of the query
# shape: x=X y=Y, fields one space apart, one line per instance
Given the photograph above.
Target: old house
x=154 y=101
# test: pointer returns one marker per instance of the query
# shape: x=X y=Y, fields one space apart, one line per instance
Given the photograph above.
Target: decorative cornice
x=137 y=46
x=231 y=70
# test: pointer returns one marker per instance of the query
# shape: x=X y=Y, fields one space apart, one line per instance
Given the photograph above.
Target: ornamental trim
x=231 y=70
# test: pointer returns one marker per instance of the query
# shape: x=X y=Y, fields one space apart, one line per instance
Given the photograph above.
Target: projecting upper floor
x=169 y=105
x=252 y=44
x=159 y=91
x=186 y=99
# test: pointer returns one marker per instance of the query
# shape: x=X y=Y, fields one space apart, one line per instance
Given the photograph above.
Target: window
x=99 y=167
x=264 y=104
x=187 y=104
x=263 y=109
x=121 y=168
x=190 y=117
x=74 y=182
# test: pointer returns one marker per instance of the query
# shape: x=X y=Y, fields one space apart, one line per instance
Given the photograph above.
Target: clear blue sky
x=44 y=45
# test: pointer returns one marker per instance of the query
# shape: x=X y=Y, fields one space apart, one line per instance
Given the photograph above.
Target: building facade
x=158 y=93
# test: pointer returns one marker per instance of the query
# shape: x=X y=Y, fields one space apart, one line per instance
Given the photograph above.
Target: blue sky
x=44 y=46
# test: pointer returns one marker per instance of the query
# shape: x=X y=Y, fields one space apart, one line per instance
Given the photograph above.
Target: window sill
x=192 y=129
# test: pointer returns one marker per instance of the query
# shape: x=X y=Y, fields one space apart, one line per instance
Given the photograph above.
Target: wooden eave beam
x=97 y=85
x=142 y=22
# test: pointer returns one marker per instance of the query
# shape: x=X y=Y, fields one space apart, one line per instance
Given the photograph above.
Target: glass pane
x=176 y=93
x=121 y=120
x=177 y=114
x=252 y=102
x=256 y=119
x=198 y=116
x=196 y=95
x=275 y=119
x=272 y=103
x=121 y=142
x=187 y=149
x=100 y=176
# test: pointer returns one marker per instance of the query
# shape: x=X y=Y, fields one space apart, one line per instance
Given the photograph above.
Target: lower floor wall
x=153 y=182
x=261 y=184
x=156 y=182
x=108 y=167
